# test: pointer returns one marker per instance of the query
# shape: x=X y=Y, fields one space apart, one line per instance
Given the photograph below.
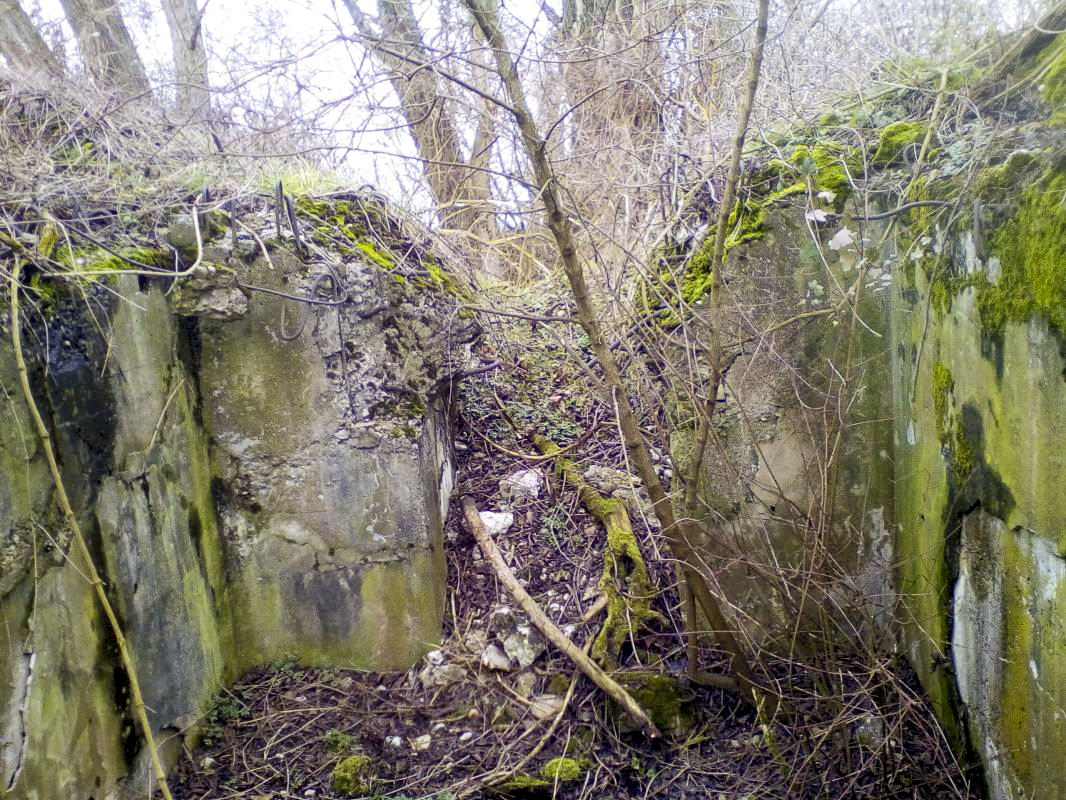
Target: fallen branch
x=550 y=630
x=534 y=457
x=501 y=775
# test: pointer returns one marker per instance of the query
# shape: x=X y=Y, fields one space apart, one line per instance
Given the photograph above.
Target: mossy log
x=625 y=582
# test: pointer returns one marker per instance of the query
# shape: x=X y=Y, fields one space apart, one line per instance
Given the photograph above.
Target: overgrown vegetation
x=701 y=345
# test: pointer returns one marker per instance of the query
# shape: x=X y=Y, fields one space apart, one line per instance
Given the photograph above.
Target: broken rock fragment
x=524 y=484
x=521 y=641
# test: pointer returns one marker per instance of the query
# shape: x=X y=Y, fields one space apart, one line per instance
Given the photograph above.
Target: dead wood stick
x=549 y=628
x=595 y=608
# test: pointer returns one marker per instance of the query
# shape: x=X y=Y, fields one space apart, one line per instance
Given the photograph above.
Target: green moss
x=100 y=263
x=562 y=770
x=1054 y=83
x=624 y=581
x=349 y=777
x=522 y=784
x=374 y=255
x=828 y=165
x=559 y=684
x=47 y=239
x=940 y=297
x=698 y=277
x=126 y=258
x=745 y=224
x=943 y=386
x=335 y=223
x=438 y=279
x=324 y=209
x=1031 y=248
x=993 y=182
x=338 y=742
x=662 y=698
x=895 y=139
x=949 y=430
x=963 y=457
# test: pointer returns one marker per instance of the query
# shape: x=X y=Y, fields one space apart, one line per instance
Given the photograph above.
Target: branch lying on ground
x=549 y=628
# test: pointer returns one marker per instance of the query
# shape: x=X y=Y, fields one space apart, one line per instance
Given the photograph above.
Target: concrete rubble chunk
x=434 y=676
x=496 y=523
x=524 y=484
x=493 y=658
x=520 y=640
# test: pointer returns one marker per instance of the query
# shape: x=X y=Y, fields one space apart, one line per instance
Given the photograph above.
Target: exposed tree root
x=625 y=583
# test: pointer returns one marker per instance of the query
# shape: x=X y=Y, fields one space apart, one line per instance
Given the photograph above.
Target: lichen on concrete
x=247 y=495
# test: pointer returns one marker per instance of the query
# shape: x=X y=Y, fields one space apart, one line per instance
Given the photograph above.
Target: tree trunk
x=192 y=91
x=106 y=46
x=677 y=533
x=400 y=48
x=21 y=45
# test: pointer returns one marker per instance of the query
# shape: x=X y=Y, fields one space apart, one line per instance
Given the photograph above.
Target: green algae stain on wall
x=1031 y=249
x=980 y=436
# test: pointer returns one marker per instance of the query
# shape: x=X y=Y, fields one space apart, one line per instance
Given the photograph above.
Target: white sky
x=305 y=34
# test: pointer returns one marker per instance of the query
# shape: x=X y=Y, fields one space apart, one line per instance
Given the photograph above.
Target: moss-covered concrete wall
x=916 y=435
x=329 y=486
x=251 y=489
x=979 y=388
x=140 y=481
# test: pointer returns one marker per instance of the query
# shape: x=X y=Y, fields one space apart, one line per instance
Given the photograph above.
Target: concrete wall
x=980 y=466
x=246 y=498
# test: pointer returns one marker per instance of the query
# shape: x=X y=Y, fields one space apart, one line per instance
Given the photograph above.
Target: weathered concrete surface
x=138 y=479
x=246 y=498
x=980 y=464
x=913 y=449
x=766 y=472
x=329 y=473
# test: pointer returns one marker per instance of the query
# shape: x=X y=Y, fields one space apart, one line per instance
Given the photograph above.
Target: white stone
x=443 y=675
x=525 y=483
x=521 y=641
x=545 y=706
x=495 y=659
x=420 y=744
x=496 y=522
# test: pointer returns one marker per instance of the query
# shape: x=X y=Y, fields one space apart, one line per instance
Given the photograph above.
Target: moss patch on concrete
x=896 y=140
x=830 y=167
x=1031 y=248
